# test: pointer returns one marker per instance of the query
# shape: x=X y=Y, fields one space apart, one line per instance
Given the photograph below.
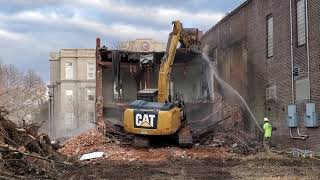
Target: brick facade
x=240 y=42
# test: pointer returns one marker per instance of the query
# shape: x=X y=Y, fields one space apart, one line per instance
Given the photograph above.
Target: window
x=271 y=93
x=68 y=118
x=214 y=53
x=302 y=89
x=69 y=71
x=301 y=22
x=91 y=69
x=69 y=95
x=91 y=117
x=90 y=94
x=269 y=36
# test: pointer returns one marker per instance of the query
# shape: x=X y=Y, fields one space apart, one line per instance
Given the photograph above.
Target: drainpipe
x=308 y=52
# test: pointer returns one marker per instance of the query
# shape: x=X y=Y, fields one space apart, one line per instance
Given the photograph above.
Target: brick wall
x=99 y=98
x=241 y=42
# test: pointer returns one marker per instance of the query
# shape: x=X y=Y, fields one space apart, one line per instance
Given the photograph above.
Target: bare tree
x=78 y=105
x=21 y=93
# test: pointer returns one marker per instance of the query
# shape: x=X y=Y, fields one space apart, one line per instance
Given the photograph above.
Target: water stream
x=213 y=74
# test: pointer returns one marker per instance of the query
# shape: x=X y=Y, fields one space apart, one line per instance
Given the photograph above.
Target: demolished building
x=121 y=74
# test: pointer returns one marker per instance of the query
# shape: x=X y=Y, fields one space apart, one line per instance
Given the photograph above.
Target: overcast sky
x=30 y=29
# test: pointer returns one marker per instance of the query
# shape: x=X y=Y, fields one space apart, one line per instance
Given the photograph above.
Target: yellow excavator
x=156 y=112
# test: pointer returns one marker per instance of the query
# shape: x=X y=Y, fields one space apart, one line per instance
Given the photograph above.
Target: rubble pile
x=90 y=141
x=114 y=130
x=236 y=141
x=224 y=128
x=24 y=152
x=226 y=115
x=94 y=141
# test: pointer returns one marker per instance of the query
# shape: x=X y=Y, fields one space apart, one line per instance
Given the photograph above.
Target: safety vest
x=267 y=127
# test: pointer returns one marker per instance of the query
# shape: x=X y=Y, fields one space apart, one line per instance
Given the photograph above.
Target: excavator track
x=184 y=137
x=140 y=142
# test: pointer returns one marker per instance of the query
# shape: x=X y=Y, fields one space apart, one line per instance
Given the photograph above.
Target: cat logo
x=146 y=119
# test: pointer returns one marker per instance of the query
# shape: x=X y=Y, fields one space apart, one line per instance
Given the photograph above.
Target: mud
x=209 y=166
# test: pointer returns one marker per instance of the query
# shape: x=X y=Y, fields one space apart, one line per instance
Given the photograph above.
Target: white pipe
x=308 y=52
x=301 y=135
x=291 y=54
x=295 y=137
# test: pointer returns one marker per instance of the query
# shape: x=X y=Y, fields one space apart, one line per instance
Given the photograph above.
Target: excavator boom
x=177 y=35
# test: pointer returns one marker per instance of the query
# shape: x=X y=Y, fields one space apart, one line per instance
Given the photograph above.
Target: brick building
x=268 y=50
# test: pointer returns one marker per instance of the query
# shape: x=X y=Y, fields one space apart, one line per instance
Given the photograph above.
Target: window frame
x=89 y=65
x=305 y=24
x=72 y=118
x=300 y=85
x=94 y=116
x=267 y=33
x=66 y=95
x=66 y=67
x=89 y=94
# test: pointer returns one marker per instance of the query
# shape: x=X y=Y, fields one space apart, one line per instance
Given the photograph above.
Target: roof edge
x=244 y=4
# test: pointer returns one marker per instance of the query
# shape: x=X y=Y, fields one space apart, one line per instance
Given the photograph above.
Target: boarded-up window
x=302 y=89
x=269 y=36
x=301 y=22
x=271 y=93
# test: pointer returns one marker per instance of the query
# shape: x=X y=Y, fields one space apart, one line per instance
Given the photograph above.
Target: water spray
x=225 y=85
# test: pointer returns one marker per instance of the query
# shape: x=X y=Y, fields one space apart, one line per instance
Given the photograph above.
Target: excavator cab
x=150 y=95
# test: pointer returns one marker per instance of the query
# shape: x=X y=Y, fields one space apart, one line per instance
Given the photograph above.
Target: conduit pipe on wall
x=291 y=54
x=301 y=136
x=308 y=52
x=296 y=137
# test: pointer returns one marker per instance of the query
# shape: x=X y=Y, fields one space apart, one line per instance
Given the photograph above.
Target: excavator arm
x=177 y=35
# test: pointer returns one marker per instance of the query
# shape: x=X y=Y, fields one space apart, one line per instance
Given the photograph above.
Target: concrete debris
x=236 y=141
x=295 y=152
x=92 y=155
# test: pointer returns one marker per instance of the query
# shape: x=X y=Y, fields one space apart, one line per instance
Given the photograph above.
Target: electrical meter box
x=292 y=116
x=311 y=116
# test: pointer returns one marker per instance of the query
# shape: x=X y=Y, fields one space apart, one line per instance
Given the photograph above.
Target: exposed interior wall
x=238 y=63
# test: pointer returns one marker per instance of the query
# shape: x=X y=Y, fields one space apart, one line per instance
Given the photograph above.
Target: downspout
x=308 y=52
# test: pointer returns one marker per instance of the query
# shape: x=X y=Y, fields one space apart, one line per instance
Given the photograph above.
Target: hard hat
x=266 y=119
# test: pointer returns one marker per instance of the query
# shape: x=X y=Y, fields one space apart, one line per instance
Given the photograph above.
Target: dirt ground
x=196 y=163
x=170 y=162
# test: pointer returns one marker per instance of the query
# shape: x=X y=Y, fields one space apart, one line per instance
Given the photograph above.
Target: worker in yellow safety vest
x=267 y=128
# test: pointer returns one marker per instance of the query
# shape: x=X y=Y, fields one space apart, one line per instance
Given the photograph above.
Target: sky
x=31 y=29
